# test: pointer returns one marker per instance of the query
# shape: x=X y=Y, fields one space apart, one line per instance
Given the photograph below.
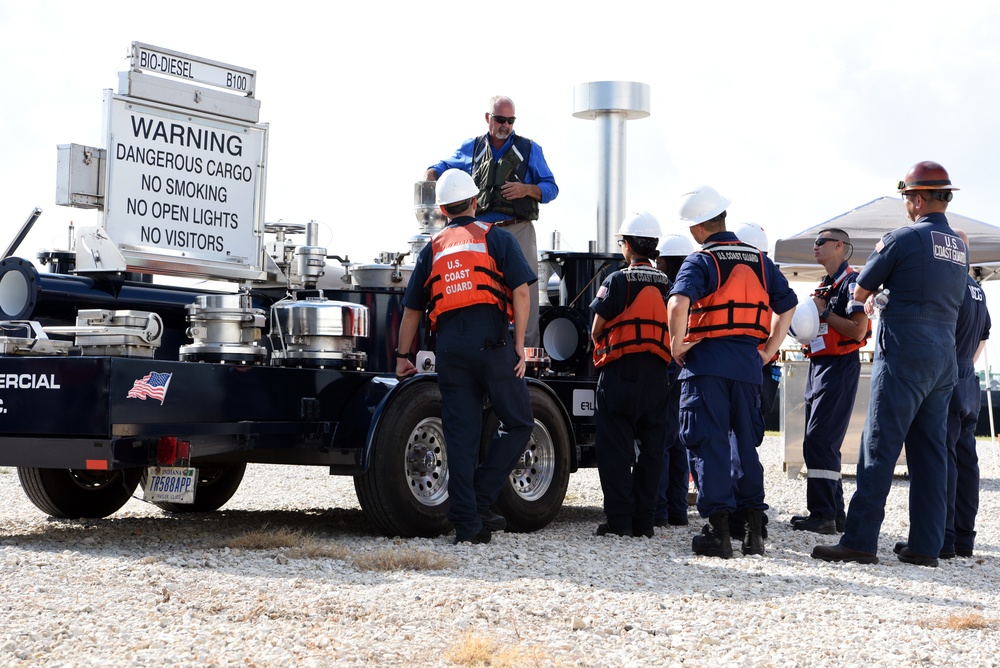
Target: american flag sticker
x=153 y=385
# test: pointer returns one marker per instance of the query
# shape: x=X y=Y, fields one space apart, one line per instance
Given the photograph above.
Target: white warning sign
x=182 y=183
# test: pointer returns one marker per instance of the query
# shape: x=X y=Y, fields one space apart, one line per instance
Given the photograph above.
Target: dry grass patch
x=402 y=559
x=473 y=649
x=299 y=546
x=314 y=548
x=265 y=538
x=960 y=621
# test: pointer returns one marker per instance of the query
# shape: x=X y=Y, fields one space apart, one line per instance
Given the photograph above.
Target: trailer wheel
x=539 y=480
x=405 y=490
x=216 y=485
x=78 y=493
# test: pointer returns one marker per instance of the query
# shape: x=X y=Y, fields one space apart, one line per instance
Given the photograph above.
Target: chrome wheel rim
x=426 y=462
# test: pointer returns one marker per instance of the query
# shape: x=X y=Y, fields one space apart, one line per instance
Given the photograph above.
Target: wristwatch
x=405 y=356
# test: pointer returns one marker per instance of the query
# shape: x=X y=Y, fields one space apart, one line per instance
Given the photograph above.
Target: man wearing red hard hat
x=924 y=267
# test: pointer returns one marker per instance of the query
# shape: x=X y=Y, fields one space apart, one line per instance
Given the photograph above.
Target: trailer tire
x=539 y=481
x=405 y=490
x=217 y=483
x=78 y=493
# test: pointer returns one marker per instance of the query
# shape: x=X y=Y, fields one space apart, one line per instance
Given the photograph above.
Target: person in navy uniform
x=473 y=280
x=513 y=179
x=672 y=498
x=924 y=267
x=728 y=297
x=971 y=334
x=754 y=235
x=832 y=383
x=632 y=353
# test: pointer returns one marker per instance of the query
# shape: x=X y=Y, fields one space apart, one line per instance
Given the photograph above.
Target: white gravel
x=146 y=589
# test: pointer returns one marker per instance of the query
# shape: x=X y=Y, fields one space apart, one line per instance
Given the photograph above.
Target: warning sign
x=181 y=183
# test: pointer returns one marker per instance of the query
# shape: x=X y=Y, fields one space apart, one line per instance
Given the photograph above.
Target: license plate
x=171 y=484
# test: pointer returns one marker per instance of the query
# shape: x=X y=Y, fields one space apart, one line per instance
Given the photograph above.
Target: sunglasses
x=509 y=120
x=822 y=240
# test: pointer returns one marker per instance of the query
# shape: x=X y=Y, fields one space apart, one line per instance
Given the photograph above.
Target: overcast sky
x=795 y=111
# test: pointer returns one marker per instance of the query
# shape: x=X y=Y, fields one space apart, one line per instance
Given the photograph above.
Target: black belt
x=511 y=221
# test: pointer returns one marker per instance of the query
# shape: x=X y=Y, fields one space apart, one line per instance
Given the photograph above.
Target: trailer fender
x=391 y=388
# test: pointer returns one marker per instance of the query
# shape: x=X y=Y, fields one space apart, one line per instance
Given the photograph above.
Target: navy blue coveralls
x=632 y=406
x=671 y=499
x=924 y=267
x=963 y=414
x=720 y=394
x=831 y=387
x=471 y=366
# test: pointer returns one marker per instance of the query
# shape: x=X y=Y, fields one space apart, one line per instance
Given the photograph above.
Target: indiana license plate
x=171 y=484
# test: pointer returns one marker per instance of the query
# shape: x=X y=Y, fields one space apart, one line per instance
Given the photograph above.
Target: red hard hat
x=926 y=175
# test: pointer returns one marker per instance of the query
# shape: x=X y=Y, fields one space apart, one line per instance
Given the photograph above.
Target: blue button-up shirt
x=538 y=172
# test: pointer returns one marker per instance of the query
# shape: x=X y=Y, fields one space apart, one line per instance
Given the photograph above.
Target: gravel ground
x=143 y=588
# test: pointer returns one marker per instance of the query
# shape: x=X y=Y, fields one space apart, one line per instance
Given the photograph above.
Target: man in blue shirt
x=727 y=298
x=473 y=279
x=513 y=179
x=923 y=267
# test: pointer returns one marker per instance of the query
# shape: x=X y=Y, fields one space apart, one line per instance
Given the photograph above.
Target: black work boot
x=714 y=540
x=753 y=543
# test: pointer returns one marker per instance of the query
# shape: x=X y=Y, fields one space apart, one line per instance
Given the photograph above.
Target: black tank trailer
x=109 y=381
x=87 y=421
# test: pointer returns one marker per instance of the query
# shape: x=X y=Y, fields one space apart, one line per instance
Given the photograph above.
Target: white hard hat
x=805 y=322
x=675 y=245
x=752 y=234
x=701 y=204
x=642 y=224
x=454 y=186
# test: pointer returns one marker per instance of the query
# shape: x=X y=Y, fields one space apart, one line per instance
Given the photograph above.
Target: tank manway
x=610 y=103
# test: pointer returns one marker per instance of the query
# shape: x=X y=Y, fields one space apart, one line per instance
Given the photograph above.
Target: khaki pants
x=524 y=232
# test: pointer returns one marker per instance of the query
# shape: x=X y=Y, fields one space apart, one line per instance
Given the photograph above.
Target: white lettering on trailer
x=28 y=381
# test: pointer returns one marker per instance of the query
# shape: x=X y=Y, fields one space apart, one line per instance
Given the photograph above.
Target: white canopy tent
x=866 y=224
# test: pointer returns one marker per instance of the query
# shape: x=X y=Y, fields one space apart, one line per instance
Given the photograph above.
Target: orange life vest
x=463 y=272
x=640 y=328
x=835 y=343
x=741 y=304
